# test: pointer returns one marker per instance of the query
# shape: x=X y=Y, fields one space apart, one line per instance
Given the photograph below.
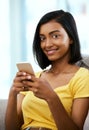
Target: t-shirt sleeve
x=80 y=86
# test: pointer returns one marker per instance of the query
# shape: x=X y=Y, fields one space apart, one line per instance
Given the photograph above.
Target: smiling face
x=55 y=41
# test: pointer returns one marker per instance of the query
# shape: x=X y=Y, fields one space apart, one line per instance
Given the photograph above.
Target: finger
x=20 y=73
x=25 y=88
x=20 y=87
x=34 y=90
x=32 y=78
x=30 y=82
x=20 y=79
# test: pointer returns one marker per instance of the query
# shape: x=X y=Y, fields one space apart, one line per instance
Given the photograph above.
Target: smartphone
x=25 y=66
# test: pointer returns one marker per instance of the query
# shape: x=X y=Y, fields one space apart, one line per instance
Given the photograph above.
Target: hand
x=40 y=87
x=18 y=85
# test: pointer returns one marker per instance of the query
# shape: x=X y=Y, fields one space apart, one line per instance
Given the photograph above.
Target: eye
x=55 y=36
x=42 y=38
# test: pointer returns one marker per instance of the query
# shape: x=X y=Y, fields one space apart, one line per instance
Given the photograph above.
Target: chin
x=52 y=59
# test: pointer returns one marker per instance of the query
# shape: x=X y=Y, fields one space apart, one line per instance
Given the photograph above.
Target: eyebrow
x=52 y=32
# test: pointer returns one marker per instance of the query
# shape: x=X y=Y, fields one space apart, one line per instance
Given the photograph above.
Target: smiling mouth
x=51 y=52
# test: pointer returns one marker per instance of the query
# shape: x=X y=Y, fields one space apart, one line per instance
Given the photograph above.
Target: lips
x=51 y=52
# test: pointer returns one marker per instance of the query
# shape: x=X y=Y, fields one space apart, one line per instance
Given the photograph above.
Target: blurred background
x=18 y=20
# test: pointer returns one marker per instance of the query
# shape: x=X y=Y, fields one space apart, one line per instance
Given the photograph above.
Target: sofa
x=3 y=102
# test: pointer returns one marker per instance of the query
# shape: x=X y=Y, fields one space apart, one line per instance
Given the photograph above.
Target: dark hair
x=68 y=23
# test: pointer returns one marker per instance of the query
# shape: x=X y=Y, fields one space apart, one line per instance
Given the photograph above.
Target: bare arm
x=14 y=118
x=62 y=119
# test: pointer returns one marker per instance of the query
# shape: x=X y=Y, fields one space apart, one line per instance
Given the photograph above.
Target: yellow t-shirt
x=36 y=111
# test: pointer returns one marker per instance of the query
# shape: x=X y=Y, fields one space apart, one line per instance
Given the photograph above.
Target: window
x=18 y=20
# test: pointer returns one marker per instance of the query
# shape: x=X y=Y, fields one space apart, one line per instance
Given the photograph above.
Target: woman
x=56 y=98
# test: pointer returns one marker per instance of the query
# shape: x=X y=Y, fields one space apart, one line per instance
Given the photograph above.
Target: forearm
x=62 y=119
x=11 y=120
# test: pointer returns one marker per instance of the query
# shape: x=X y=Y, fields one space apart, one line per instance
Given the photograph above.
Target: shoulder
x=82 y=76
x=80 y=83
x=82 y=72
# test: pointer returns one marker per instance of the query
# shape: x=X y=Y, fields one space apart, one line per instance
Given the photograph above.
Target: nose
x=48 y=42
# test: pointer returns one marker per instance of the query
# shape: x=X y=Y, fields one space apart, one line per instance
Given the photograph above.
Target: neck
x=60 y=68
x=60 y=65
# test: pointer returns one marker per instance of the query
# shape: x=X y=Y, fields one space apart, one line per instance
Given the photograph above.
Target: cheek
x=66 y=47
x=65 y=38
x=66 y=42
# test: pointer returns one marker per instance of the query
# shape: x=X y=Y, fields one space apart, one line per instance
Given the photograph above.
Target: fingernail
x=29 y=77
x=24 y=73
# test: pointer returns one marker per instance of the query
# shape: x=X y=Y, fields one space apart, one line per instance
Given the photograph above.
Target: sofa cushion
x=3 y=104
x=84 y=62
x=86 y=125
